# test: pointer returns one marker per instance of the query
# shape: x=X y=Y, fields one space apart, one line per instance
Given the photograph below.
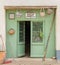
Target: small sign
x=30 y=15
x=11 y=16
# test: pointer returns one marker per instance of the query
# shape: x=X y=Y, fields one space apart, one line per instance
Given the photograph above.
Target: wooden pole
x=45 y=51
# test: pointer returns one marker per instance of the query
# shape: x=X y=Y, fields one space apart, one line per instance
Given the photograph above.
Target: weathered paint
x=37 y=50
x=20 y=44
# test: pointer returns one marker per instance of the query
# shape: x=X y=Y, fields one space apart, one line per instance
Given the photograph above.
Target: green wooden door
x=21 y=39
x=37 y=38
x=39 y=35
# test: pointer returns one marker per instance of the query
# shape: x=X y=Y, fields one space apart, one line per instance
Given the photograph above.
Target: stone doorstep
x=32 y=61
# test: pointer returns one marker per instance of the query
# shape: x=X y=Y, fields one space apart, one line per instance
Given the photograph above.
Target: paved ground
x=32 y=61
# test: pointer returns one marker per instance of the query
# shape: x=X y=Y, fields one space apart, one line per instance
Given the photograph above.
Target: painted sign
x=11 y=16
x=30 y=15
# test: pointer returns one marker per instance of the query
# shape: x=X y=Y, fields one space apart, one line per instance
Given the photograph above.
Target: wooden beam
x=27 y=7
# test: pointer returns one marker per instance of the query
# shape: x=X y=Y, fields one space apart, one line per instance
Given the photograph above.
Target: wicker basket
x=49 y=11
x=2 y=56
x=11 y=31
x=42 y=14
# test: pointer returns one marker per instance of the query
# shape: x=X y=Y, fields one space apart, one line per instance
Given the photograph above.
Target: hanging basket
x=11 y=31
x=2 y=56
x=42 y=13
x=49 y=11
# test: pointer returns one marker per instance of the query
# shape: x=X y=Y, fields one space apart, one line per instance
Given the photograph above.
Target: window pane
x=21 y=31
x=37 y=32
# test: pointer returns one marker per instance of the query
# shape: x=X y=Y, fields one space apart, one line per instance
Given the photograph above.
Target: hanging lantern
x=49 y=11
x=42 y=12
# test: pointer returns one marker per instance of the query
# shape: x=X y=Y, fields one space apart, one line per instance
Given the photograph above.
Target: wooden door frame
x=27 y=7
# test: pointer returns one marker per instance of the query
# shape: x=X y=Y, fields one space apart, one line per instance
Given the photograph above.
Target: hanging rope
x=2 y=51
x=2 y=43
x=45 y=51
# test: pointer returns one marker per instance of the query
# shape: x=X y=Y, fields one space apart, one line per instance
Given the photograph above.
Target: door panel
x=37 y=39
x=21 y=50
x=21 y=39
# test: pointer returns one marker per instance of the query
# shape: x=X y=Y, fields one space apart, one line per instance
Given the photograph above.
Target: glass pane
x=37 y=32
x=21 y=31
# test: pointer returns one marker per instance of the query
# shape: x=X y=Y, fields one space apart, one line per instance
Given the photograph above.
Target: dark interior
x=27 y=38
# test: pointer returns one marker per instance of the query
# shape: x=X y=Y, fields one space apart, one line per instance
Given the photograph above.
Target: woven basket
x=49 y=11
x=2 y=56
x=42 y=14
x=11 y=31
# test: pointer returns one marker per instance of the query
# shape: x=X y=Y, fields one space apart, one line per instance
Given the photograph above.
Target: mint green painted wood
x=20 y=50
x=37 y=48
x=21 y=44
x=16 y=48
x=51 y=47
x=11 y=40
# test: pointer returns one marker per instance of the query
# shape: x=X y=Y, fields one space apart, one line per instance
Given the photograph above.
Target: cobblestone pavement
x=33 y=61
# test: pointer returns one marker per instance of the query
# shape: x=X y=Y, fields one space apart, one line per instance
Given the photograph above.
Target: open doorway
x=24 y=38
x=27 y=38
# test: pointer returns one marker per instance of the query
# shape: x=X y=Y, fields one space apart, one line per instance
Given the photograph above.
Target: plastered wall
x=29 y=3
